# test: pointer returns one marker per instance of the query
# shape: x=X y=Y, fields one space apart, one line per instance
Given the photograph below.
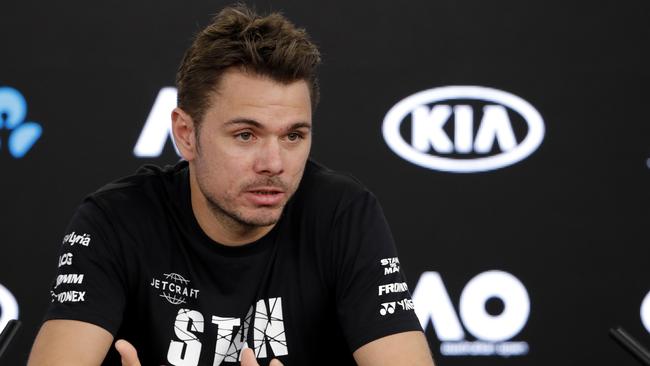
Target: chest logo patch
x=174 y=288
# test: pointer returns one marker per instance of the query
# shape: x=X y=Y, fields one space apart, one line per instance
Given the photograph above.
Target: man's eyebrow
x=300 y=125
x=244 y=121
x=254 y=123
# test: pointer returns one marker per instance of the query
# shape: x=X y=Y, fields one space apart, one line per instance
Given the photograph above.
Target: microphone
x=631 y=345
x=8 y=334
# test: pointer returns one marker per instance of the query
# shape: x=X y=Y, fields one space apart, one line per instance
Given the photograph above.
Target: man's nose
x=269 y=158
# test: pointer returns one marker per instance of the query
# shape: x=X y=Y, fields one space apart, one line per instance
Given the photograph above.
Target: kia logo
x=469 y=149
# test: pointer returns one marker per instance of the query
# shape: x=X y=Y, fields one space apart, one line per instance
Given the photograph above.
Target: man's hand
x=130 y=356
x=248 y=359
x=127 y=352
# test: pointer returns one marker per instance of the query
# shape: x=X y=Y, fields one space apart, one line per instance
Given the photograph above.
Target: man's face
x=252 y=146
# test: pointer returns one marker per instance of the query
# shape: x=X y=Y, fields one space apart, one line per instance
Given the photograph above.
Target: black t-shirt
x=323 y=282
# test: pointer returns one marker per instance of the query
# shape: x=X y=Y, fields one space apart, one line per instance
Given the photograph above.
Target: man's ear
x=183 y=129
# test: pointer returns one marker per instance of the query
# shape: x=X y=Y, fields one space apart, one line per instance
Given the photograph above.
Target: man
x=246 y=244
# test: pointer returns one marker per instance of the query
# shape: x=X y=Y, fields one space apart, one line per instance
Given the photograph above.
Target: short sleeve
x=373 y=299
x=89 y=285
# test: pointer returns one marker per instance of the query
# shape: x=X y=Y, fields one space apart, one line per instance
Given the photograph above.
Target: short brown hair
x=266 y=45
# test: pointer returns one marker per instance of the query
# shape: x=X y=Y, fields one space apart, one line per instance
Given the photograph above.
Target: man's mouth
x=265 y=196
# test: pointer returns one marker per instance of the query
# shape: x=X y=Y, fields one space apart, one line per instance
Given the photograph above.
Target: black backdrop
x=569 y=222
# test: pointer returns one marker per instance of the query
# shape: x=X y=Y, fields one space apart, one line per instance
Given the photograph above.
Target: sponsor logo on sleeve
x=406 y=304
x=65 y=259
x=463 y=129
x=69 y=279
x=389 y=308
x=68 y=296
x=74 y=238
x=390 y=265
x=392 y=287
x=174 y=288
x=493 y=330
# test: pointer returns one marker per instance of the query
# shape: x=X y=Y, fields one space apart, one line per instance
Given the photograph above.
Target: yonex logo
x=509 y=129
x=13 y=110
x=387 y=308
x=68 y=296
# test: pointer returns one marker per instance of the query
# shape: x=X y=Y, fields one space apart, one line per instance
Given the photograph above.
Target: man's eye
x=294 y=136
x=244 y=136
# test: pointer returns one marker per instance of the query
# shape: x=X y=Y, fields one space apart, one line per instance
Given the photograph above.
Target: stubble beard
x=235 y=219
x=225 y=211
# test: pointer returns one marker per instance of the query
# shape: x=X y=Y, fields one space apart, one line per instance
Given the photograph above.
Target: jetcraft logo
x=175 y=288
x=645 y=312
x=8 y=307
x=158 y=126
x=494 y=307
x=13 y=110
x=509 y=129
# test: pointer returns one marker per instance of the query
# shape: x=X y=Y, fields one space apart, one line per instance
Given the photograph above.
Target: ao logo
x=432 y=304
x=471 y=150
x=157 y=128
x=8 y=307
x=645 y=312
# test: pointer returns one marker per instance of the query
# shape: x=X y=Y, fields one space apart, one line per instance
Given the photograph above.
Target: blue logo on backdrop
x=13 y=110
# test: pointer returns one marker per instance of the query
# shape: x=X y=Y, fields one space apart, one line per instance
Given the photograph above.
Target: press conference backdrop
x=508 y=142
